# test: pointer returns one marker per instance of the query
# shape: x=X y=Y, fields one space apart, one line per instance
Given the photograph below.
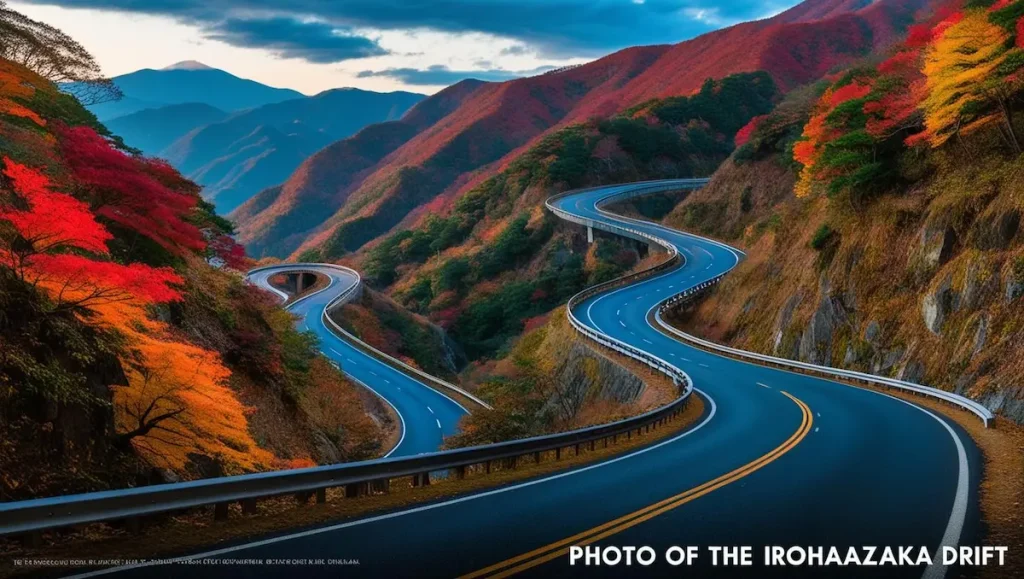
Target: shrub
x=821 y=237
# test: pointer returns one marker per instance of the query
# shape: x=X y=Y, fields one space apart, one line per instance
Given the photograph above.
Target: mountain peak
x=188 y=65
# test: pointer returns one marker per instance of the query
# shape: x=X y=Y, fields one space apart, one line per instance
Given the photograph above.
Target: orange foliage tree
x=16 y=83
x=964 y=90
x=177 y=402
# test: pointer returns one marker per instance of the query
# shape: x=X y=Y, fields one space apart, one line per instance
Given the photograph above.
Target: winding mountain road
x=426 y=415
x=777 y=459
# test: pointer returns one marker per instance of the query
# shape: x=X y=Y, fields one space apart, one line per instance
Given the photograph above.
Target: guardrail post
x=488 y=467
x=248 y=506
x=381 y=486
x=577 y=449
x=460 y=472
x=220 y=512
x=536 y=457
x=558 y=453
x=421 y=480
x=303 y=497
x=353 y=490
x=321 y=496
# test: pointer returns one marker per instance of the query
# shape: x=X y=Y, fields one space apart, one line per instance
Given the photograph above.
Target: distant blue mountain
x=152 y=130
x=248 y=151
x=235 y=154
x=189 y=82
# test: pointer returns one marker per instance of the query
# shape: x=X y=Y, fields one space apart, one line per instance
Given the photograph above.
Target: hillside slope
x=131 y=349
x=276 y=220
x=494 y=125
x=882 y=220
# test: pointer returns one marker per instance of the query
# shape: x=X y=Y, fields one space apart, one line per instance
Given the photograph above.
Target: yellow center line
x=544 y=554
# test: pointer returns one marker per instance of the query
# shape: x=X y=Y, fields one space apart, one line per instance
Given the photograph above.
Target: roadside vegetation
x=131 y=351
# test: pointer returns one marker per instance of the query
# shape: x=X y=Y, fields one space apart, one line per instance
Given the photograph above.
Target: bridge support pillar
x=590 y=234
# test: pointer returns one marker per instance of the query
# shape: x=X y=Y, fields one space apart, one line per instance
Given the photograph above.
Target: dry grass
x=197 y=530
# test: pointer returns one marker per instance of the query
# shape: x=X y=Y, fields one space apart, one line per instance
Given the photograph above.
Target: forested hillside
x=494 y=123
x=483 y=263
x=131 y=350
x=881 y=211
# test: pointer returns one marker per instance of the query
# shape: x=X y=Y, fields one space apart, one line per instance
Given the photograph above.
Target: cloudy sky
x=420 y=45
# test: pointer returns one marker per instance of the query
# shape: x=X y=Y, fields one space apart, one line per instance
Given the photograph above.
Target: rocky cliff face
x=925 y=284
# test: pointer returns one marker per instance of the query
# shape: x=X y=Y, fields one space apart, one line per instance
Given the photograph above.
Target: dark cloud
x=312 y=41
x=553 y=28
x=439 y=75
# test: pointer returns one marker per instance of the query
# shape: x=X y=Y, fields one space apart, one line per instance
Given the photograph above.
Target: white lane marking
x=672 y=354
x=768 y=387
x=372 y=372
x=386 y=381
x=351 y=360
x=430 y=409
x=621 y=323
x=429 y=507
x=648 y=341
x=815 y=429
x=703 y=365
x=336 y=352
x=708 y=267
x=618 y=312
x=819 y=415
x=687 y=360
x=438 y=420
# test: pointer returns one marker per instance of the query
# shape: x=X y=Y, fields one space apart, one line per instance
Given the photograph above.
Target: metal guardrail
x=986 y=415
x=976 y=408
x=32 y=516
x=43 y=514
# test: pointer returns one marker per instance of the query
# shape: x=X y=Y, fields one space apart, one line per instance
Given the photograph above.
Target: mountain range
x=236 y=136
x=353 y=191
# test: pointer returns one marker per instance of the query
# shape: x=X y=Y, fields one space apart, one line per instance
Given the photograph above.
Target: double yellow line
x=544 y=554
